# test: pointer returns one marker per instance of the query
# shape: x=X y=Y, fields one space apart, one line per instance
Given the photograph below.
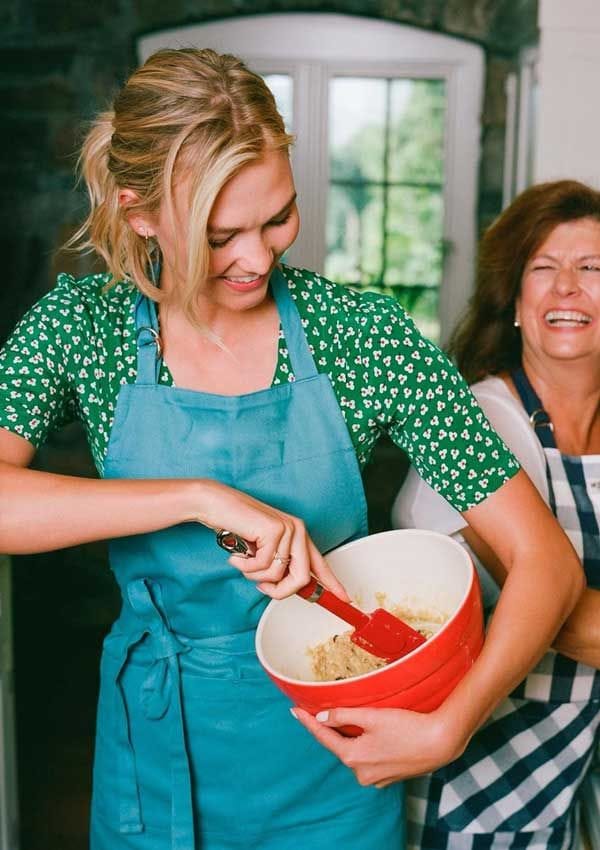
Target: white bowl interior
x=419 y=569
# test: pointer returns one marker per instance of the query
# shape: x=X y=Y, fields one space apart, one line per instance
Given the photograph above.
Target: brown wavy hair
x=186 y=112
x=485 y=341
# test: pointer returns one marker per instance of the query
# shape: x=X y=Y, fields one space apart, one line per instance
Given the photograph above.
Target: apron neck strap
x=148 y=341
x=301 y=359
x=540 y=421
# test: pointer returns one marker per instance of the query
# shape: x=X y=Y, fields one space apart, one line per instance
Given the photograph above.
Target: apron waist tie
x=160 y=691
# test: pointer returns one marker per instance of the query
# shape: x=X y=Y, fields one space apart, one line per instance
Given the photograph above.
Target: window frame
x=521 y=117
x=313 y=47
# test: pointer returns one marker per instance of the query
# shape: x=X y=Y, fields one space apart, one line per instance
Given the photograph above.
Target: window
x=387 y=153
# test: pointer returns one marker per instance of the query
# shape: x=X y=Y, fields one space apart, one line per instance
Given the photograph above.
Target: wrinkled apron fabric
x=516 y=785
x=195 y=746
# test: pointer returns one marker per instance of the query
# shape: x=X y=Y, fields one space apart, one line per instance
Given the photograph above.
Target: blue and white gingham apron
x=516 y=784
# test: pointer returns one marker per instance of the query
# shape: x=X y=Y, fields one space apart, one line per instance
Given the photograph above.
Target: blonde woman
x=223 y=390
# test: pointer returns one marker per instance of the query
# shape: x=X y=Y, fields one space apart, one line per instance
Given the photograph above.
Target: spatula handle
x=315 y=592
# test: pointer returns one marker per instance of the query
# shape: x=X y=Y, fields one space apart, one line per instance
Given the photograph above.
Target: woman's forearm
x=539 y=593
x=528 y=615
x=41 y=511
x=579 y=637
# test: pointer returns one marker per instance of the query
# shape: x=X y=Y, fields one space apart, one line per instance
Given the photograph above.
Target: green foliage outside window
x=385 y=211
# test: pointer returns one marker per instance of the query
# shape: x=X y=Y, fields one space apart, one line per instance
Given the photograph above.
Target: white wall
x=568 y=125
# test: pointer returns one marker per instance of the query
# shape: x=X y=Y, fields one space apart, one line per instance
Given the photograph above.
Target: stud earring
x=517 y=323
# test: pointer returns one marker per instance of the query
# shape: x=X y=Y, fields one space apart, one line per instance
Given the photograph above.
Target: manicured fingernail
x=293 y=713
x=322 y=716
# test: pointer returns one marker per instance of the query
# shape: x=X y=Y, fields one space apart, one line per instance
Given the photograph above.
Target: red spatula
x=379 y=632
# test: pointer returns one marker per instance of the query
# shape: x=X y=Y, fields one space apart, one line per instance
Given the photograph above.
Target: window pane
x=414 y=236
x=385 y=208
x=417 y=131
x=282 y=87
x=357 y=128
x=355 y=234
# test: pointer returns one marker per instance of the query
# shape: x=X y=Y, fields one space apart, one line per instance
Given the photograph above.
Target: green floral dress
x=71 y=352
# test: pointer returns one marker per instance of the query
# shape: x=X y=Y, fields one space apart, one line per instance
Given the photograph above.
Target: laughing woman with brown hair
x=530 y=347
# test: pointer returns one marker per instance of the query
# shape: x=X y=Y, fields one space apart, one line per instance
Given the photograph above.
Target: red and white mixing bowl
x=414 y=568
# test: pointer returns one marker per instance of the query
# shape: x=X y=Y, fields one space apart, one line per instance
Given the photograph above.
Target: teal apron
x=195 y=747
